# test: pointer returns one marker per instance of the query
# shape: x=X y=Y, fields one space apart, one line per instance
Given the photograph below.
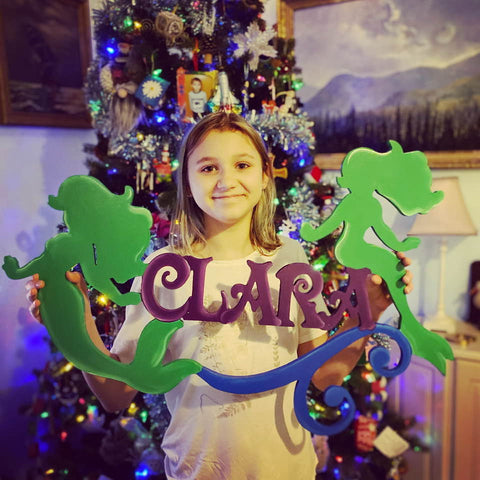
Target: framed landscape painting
x=44 y=54
x=376 y=70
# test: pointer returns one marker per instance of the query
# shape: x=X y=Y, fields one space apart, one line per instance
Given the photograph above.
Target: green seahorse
x=404 y=179
x=107 y=237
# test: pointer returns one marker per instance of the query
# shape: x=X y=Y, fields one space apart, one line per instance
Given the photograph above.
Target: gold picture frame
x=461 y=159
x=45 y=50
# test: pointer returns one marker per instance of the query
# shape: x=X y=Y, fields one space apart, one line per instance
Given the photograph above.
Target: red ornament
x=161 y=225
x=365 y=433
x=379 y=389
x=269 y=107
x=316 y=173
x=196 y=51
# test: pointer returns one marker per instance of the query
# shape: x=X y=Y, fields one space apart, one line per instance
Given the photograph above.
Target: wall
x=34 y=161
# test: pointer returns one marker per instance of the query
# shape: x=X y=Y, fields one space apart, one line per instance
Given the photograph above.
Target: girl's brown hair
x=187 y=224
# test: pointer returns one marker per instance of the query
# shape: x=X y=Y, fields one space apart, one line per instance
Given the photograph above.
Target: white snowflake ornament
x=254 y=42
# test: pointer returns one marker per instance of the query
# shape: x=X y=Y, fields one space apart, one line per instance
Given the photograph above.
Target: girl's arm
x=334 y=370
x=112 y=394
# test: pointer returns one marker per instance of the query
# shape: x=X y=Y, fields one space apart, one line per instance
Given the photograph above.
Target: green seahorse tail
x=426 y=344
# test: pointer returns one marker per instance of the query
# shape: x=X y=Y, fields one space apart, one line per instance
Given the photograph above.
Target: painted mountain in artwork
x=423 y=108
x=367 y=93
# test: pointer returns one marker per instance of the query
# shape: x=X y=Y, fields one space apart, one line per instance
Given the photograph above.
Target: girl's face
x=226 y=179
x=196 y=86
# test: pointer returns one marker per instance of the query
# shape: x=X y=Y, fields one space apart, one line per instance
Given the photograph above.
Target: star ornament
x=254 y=42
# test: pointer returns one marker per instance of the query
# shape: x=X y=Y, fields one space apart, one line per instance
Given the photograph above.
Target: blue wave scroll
x=302 y=369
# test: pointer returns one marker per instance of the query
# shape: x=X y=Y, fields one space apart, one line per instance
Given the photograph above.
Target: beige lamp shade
x=449 y=217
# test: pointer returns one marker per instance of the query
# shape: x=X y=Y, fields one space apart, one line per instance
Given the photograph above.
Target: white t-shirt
x=215 y=435
x=197 y=101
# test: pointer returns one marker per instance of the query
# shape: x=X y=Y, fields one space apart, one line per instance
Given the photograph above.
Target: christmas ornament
x=223 y=98
x=208 y=47
x=152 y=91
x=365 y=433
x=161 y=225
x=269 y=106
x=162 y=167
x=394 y=472
x=288 y=105
x=299 y=208
x=280 y=172
x=316 y=173
x=145 y=176
x=254 y=43
x=147 y=25
x=390 y=443
x=379 y=388
x=209 y=18
x=66 y=391
x=124 y=111
x=169 y=26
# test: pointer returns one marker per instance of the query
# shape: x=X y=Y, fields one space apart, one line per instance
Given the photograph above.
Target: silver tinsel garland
x=292 y=132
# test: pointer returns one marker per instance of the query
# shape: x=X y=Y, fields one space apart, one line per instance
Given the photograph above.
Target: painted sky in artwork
x=374 y=38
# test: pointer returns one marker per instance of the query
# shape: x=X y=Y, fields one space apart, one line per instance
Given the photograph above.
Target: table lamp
x=449 y=218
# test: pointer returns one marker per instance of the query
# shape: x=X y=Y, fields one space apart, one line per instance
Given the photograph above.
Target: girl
x=225 y=209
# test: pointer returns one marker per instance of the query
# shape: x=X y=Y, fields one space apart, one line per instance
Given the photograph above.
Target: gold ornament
x=169 y=25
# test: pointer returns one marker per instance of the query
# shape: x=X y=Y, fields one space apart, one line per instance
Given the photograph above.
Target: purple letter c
x=182 y=269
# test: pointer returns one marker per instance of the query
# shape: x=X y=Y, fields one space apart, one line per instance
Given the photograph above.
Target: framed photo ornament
x=194 y=90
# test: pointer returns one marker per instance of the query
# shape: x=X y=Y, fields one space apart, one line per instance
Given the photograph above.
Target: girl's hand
x=378 y=294
x=79 y=281
x=32 y=287
x=35 y=284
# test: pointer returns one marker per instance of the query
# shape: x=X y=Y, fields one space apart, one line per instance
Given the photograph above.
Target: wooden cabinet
x=447 y=410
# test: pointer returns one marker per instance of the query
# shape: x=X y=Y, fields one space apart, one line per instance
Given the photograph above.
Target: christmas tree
x=372 y=447
x=159 y=66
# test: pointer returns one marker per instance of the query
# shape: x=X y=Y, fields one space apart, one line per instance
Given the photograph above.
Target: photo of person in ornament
x=197 y=98
x=224 y=211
